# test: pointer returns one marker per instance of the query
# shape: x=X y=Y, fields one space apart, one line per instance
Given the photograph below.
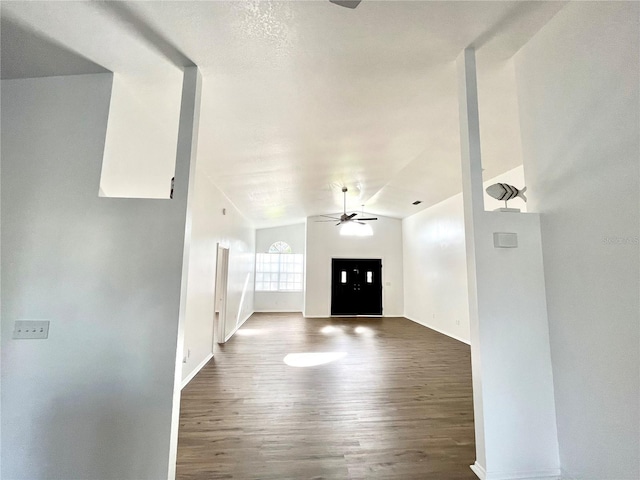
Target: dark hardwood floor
x=394 y=402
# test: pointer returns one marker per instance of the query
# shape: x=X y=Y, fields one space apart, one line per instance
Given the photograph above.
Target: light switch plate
x=31 y=329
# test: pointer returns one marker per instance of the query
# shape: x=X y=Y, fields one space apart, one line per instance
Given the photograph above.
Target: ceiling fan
x=347 y=3
x=344 y=218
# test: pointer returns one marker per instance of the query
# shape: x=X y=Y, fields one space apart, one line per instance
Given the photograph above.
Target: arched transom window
x=279 y=247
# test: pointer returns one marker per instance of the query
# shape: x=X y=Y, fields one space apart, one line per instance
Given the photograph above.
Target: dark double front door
x=356 y=286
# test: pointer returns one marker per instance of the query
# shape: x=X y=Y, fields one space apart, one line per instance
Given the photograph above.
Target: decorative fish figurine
x=504 y=191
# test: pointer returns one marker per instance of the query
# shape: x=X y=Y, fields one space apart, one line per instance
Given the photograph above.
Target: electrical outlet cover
x=31 y=329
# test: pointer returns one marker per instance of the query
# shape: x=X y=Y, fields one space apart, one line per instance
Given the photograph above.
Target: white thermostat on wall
x=505 y=240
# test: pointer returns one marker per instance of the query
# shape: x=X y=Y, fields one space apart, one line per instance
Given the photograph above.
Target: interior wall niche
x=139 y=157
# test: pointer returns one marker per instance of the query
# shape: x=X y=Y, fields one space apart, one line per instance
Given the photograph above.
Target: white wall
x=280 y=301
x=209 y=228
x=578 y=86
x=240 y=281
x=142 y=135
x=94 y=400
x=498 y=110
x=511 y=359
x=435 y=267
x=324 y=242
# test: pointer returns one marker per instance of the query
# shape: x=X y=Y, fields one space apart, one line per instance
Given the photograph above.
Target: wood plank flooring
x=396 y=405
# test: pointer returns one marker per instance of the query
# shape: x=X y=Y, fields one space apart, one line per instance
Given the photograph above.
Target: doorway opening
x=356 y=286
x=220 y=306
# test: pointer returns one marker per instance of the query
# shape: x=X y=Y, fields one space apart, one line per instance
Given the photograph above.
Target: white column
x=514 y=408
x=184 y=187
x=473 y=207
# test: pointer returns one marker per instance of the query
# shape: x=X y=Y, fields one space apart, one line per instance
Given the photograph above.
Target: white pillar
x=184 y=187
x=514 y=407
x=473 y=206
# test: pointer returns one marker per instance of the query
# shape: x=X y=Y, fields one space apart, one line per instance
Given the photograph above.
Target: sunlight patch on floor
x=312 y=359
x=364 y=331
x=331 y=329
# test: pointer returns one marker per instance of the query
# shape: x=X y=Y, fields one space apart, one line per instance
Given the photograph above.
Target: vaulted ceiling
x=301 y=98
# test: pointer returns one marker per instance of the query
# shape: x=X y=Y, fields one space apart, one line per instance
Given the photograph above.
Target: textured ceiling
x=301 y=98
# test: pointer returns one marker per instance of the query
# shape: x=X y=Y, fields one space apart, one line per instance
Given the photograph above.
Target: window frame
x=282 y=267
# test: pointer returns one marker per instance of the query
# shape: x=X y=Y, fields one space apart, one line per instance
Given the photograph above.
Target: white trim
x=482 y=474
x=195 y=371
x=238 y=326
x=539 y=475
x=279 y=290
x=185 y=173
x=455 y=337
x=567 y=475
x=221 y=288
x=351 y=316
x=277 y=311
x=476 y=467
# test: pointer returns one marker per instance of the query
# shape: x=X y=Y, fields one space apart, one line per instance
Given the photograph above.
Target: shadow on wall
x=242 y=312
x=47 y=58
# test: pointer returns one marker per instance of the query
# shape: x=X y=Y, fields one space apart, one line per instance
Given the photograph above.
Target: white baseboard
x=455 y=337
x=238 y=326
x=476 y=467
x=277 y=311
x=533 y=475
x=568 y=475
x=196 y=370
x=210 y=356
x=352 y=316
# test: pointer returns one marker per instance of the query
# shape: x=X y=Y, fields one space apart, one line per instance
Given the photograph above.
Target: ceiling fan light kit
x=354 y=229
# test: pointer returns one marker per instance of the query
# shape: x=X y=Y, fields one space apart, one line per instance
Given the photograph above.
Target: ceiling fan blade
x=352 y=215
x=372 y=218
x=338 y=223
x=322 y=221
x=329 y=216
x=347 y=3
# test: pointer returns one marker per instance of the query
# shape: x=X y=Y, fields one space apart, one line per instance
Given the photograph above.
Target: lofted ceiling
x=302 y=97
